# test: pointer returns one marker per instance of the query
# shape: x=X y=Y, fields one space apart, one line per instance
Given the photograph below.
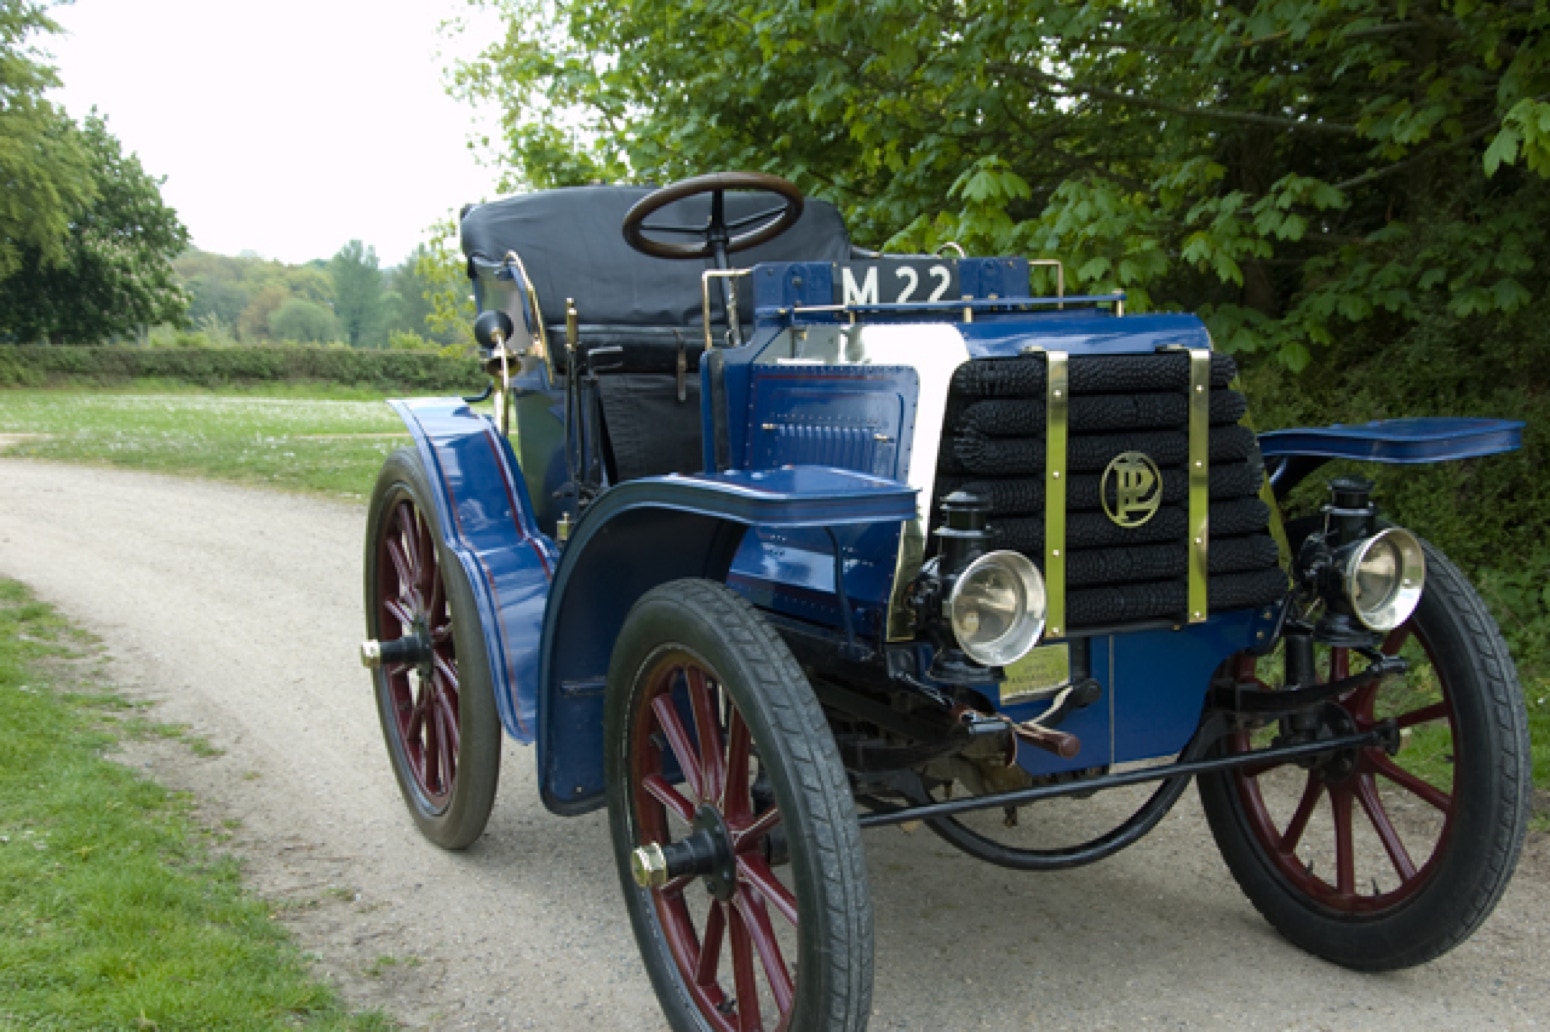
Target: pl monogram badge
x=1137 y=489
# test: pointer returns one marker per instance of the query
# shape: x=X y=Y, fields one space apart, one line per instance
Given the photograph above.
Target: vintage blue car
x=772 y=538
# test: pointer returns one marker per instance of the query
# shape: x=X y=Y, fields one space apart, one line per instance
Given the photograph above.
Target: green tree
x=45 y=169
x=357 y=284
x=443 y=279
x=302 y=321
x=115 y=277
x=1295 y=169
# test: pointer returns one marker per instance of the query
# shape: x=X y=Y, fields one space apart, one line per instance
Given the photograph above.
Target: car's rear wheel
x=438 y=711
x=717 y=747
x=1376 y=861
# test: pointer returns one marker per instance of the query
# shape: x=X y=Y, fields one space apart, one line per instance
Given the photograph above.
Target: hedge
x=212 y=367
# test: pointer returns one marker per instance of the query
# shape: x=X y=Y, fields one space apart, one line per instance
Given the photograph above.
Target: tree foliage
x=357 y=283
x=114 y=273
x=85 y=240
x=1296 y=170
x=45 y=171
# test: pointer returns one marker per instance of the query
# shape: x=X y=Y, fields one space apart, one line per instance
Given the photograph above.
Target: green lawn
x=325 y=441
x=113 y=913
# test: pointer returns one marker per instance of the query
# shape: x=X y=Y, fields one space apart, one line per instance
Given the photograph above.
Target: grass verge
x=113 y=912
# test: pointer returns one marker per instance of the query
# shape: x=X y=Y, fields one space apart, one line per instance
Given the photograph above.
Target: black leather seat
x=649 y=309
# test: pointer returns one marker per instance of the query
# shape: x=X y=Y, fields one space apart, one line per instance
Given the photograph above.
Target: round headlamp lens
x=1384 y=579
x=998 y=606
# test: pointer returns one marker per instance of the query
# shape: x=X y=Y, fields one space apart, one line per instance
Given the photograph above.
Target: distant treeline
x=213 y=367
x=346 y=299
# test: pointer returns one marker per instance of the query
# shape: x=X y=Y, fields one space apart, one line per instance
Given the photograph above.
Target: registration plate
x=896 y=281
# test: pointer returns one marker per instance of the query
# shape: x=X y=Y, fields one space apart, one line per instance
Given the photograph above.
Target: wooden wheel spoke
x=400 y=612
x=446 y=716
x=707 y=728
x=1424 y=715
x=1345 y=847
x=401 y=567
x=746 y=838
x=737 y=793
x=426 y=547
x=407 y=521
x=710 y=945
x=755 y=871
x=678 y=740
x=1408 y=781
x=747 y=990
x=658 y=788
x=1304 y=812
x=436 y=607
x=757 y=918
x=1367 y=795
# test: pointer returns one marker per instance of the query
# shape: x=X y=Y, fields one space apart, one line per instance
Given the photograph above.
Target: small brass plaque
x=1044 y=668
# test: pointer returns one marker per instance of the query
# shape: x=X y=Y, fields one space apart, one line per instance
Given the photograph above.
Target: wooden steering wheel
x=718 y=237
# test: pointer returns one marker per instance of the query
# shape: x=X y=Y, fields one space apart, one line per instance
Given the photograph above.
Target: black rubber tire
x=1453 y=893
x=704 y=624
x=456 y=818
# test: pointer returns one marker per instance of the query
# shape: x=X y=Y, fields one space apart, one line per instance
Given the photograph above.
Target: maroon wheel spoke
x=755 y=870
x=435 y=609
x=1424 y=715
x=414 y=726
x=658 y=788
x=401 y=567
x=430 y=756
x=1345 y=847
x=707 y=727
x=676 y=886
x=737 y=795
x=400 y=612
x=446 y=716
x=748 y=1018
x=746 y=838
x=710 y=945
x=448 y=674
x=1304 y=812
x=678 y=741
x=1339 y=664
x=427 y=552
x=1408 y=781
x=757 y=918
x=1367 y=795
x=406 y=518
x=445 y=753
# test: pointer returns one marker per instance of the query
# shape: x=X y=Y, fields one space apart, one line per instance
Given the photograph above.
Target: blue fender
x=487 y=522
x=1290 y=455
x=646 y=532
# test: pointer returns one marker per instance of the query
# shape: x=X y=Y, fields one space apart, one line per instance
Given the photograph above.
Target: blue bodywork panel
x=1418 y=440
x=1290 y=455
x=646 y=532
x=486 y=519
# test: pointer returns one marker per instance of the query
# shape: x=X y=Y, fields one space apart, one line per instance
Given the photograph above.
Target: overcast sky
x=285 y=127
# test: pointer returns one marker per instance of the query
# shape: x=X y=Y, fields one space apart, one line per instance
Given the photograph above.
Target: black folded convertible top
x=571 y=243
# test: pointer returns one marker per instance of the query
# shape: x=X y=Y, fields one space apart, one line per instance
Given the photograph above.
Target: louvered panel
x=857 y=448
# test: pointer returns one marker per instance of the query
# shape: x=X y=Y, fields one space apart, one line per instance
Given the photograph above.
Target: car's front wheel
x=1378 y=861
x=719 y=755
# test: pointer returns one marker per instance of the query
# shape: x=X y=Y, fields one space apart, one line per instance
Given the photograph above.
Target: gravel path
x=239 y=612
